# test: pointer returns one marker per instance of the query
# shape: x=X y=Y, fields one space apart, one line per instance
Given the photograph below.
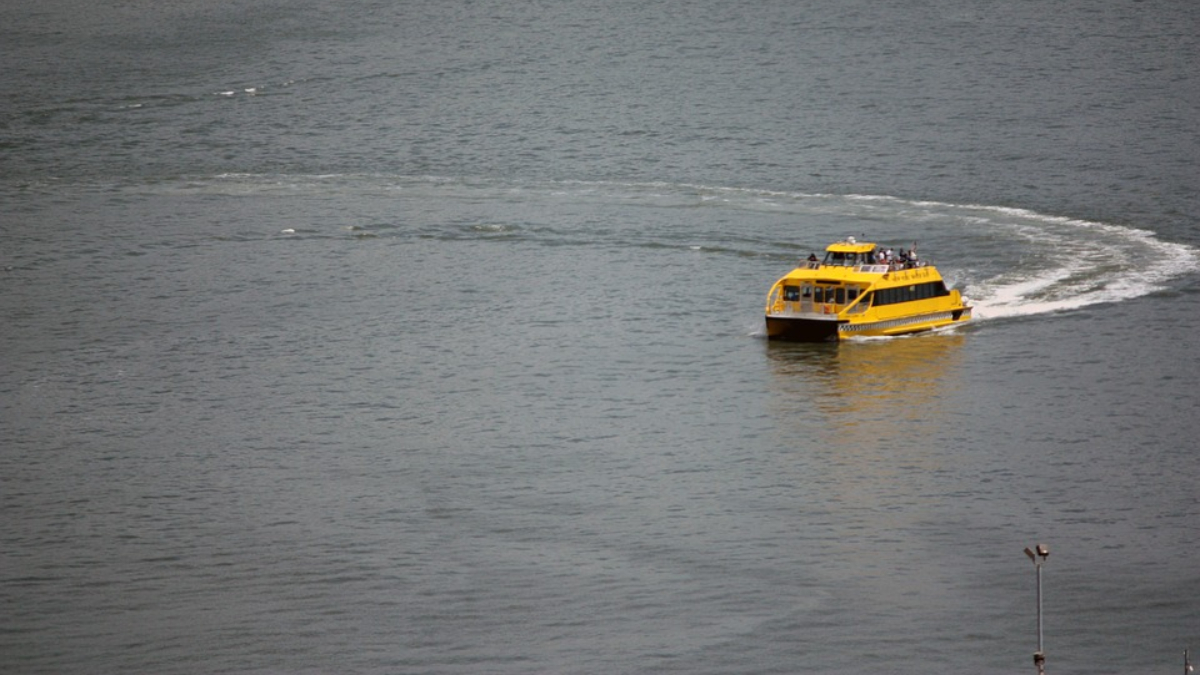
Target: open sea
x=427 y=337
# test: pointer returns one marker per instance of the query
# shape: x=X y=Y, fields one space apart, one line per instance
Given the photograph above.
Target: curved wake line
x=1089 y=262
x=1111 y=263
x=1043 y=263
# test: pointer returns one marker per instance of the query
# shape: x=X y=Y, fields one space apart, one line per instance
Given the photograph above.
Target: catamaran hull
x=796 y=329
x=808 y=329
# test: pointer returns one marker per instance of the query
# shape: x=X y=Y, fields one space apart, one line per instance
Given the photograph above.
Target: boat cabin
x=849 y=254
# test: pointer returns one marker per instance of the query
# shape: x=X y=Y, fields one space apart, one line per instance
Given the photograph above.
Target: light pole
x=1038 y=555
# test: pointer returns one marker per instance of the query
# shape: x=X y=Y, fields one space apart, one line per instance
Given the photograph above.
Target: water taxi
x=859 y=289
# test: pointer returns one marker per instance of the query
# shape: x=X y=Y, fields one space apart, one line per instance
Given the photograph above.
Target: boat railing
x=858 y=308
x=885 y=268
x=809 y=305
x=920 y=270
x=780 y=307
x=874 y=269
x=802 y=306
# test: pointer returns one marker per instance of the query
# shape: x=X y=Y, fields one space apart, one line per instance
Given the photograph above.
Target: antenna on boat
x=1038 y=555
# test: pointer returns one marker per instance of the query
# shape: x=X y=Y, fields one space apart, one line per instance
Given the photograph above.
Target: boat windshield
x=847 y=259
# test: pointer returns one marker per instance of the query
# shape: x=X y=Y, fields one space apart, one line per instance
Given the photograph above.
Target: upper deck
x=852 y=260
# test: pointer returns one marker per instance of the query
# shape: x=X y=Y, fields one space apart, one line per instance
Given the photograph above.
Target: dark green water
x=426 y=337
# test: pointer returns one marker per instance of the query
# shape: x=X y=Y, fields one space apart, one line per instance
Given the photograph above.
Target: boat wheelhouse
x=860 y=290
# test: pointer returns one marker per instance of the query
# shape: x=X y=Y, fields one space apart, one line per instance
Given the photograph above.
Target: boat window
x=891 y=296
x=839 y=295
x=806 y=291
x=791 y=293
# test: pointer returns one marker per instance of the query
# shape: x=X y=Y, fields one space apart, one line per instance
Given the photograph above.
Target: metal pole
x=1039 y=658
x=1038 y=555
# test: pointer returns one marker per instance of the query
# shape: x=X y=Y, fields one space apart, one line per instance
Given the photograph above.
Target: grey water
x=421 y=337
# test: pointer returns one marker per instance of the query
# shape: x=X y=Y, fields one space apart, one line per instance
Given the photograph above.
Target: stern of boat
x=800 y=319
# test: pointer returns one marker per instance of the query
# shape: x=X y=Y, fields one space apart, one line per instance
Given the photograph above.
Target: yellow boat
x=858 y=290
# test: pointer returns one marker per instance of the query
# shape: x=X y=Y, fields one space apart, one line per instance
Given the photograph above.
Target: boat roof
x=850 y=246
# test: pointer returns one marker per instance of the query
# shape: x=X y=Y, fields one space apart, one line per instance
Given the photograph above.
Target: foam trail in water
x=1035 y=263
x=1066 y=263
x=1087 y=263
